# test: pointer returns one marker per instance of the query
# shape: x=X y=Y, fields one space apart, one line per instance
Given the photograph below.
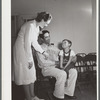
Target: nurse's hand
x=30 y=65
x=46 y=55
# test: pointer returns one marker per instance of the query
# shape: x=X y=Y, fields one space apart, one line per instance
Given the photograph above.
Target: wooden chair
x=80 y=65
x=81 y=54
x=83 y=74
x=90 y=62
x=42 y=83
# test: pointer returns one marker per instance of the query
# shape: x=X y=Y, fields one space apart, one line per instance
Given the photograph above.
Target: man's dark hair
x=43 y=32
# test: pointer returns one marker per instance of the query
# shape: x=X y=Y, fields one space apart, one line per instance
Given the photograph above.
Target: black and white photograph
x=53 y=50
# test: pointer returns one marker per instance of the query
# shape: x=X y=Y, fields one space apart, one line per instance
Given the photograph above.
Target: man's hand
x=56 y=62
x=46 y=55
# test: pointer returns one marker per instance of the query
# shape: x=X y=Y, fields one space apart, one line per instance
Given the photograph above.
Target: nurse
x=24 y=72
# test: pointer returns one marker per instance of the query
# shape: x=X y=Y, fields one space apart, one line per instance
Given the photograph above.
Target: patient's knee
x=63 y=74
x=73 y=72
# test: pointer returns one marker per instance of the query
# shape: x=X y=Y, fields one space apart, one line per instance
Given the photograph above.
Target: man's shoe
x=55 y=98
x=52 y=97
x=70 y=97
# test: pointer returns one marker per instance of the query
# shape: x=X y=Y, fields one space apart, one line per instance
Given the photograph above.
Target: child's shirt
x=67 y=55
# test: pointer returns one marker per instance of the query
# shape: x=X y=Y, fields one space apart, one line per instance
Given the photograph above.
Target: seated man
x=48 y=66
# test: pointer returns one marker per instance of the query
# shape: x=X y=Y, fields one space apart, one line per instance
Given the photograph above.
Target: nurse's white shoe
x=36 y=98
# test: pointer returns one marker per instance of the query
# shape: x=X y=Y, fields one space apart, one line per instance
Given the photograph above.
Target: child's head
x=66 y=43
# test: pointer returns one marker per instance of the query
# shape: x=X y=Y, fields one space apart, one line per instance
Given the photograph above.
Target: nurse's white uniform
x=22 y=54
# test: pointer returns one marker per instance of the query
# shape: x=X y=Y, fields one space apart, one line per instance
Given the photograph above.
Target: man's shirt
x=53 y=56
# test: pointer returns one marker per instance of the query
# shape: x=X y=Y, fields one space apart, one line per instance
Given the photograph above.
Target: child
x=67 y=56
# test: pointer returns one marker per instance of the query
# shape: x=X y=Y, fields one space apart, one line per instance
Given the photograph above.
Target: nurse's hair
x=43 y=32
x=67 y=41
x=43 y=16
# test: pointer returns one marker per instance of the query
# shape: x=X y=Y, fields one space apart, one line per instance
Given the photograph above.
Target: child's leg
x=69 y=90
x=27 y=92
x=71 y=65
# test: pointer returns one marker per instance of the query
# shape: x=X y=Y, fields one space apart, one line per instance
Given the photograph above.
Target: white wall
x=72 y=19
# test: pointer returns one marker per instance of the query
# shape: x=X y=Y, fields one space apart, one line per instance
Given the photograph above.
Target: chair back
x=81 y=67
x=90 y=60
x=80 y=61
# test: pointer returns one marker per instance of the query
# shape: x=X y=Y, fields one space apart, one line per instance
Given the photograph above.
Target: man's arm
x=61 y=61
x=44 y=62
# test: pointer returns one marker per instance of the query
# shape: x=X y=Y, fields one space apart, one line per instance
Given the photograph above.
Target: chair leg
x=50 y=95
x=79 y=87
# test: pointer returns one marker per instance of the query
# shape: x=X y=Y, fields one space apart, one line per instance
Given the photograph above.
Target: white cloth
x=61 y=79
x=53 y=52
x=22 y=54
x=48 y=69
x=60 y=76
x=71 y=82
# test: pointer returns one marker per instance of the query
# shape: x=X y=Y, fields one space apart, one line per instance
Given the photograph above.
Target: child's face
x=65 y=44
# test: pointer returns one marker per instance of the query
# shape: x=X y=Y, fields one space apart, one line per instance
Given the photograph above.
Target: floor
x=84 y=92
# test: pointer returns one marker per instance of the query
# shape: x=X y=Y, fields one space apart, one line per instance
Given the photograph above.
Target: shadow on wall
x=59 y=45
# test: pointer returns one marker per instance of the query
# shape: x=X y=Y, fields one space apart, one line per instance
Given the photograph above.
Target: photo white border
x=6 y=50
